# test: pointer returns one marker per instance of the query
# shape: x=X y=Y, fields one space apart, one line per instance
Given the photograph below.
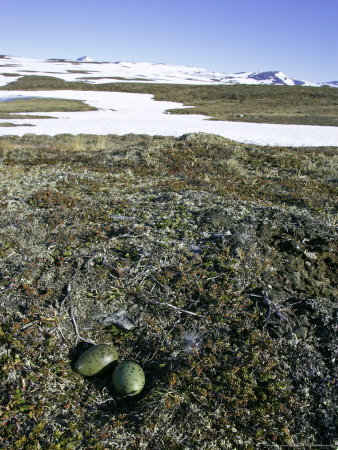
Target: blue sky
x=298 y=37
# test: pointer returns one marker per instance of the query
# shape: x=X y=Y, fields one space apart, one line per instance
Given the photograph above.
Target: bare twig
x=72 y=316
x=57 y=329
x=272 y=306
x=105 y=401
x=174 y=307
x=28 y=325
x=146 y=233
x=267 y=302
x=88 y=263
x=167 y=288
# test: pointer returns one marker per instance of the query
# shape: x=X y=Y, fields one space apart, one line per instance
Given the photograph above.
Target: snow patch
x=141 y=114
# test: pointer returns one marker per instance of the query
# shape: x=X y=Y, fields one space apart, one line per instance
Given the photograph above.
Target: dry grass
x=8 y=109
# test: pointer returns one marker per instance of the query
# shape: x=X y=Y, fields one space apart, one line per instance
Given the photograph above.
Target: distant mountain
x=276 y=77
x=109 y=72
x=84 y=59
x=330 y=83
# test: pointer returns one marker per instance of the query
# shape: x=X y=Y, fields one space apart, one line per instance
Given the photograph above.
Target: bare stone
x=301 y=332
x=119 y=318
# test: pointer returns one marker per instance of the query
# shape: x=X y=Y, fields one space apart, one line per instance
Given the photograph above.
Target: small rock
x=3 y=350
x=120 y=319
x=310 y=255
x=195 y=249
x=120 y=217
x=193 y=342
x=301 y=332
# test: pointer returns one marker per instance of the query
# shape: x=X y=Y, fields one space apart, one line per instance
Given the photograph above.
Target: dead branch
x=272 y=307
x=174 y=307
x=72 y=316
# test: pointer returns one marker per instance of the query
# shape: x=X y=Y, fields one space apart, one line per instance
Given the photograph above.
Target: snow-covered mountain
x=331 y=84
x=84 y=59
x=11 y=68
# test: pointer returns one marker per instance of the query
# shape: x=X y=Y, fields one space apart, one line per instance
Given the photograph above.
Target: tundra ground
x=223 y=255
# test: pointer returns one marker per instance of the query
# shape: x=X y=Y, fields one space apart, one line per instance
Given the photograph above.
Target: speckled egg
x=96 y=359
x=128 y=378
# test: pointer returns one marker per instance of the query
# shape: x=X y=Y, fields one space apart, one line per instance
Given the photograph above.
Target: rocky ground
x=212 y=264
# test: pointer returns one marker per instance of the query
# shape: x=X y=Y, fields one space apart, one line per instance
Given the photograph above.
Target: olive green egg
x=96 y=359
x=128 y=378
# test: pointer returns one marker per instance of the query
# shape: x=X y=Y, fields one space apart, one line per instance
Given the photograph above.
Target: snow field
x=122 y=113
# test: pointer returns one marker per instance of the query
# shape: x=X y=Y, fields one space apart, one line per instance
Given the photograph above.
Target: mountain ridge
x=101 y=72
